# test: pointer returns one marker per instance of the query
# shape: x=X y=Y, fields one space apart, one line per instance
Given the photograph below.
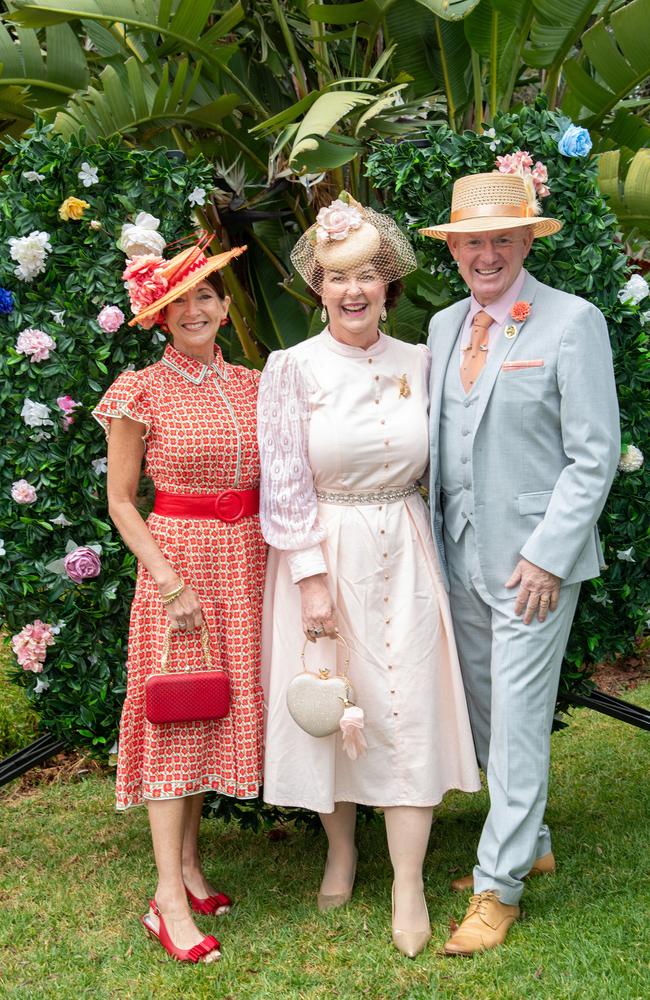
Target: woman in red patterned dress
x=200 y=561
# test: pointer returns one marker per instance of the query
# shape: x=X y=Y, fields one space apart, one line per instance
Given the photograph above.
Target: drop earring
x=383 y=315
x=323 y=315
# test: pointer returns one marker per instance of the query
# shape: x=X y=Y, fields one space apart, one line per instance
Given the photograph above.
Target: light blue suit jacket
x=546 y=440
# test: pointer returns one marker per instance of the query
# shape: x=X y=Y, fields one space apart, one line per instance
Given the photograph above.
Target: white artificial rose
x=631 y=459
x=634 y=290
x=142 y=237
x=35 y=414
x=30 y=252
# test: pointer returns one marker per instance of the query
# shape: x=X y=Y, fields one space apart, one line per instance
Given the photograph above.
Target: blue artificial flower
x=6 y=301
x=576 y=141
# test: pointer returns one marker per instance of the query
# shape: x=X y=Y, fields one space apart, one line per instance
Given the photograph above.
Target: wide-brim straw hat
x=483 y=202
x=182 y=272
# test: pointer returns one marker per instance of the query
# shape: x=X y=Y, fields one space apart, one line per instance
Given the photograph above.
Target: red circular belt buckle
x=229 y=506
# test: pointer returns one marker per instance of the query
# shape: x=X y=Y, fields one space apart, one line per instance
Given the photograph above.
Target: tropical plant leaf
x=450 y=10
x=627 y=188
x=323 y=115
x=619 y=55
x=144 y=103
x=51 y=79
x=318 y=154
x=555 y=30
x=496 y=38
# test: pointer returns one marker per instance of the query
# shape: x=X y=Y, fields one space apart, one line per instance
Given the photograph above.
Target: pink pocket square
x=514 y=366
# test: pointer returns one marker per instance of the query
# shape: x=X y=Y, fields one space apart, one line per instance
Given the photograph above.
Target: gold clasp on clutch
x=323 y=673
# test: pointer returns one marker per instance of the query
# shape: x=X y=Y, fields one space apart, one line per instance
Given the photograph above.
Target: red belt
x=229 y=505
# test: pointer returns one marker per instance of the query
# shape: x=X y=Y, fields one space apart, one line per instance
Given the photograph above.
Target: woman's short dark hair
x=216 y=281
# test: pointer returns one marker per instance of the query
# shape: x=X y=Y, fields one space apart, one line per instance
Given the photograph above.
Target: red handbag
x=187 y=695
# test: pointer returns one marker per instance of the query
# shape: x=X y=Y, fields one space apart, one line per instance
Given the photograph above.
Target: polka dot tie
x=476 y=354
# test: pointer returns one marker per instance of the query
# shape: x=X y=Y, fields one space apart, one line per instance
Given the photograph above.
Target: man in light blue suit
x=524 y=447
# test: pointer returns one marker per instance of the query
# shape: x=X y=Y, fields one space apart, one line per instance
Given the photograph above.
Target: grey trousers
x=510 y=672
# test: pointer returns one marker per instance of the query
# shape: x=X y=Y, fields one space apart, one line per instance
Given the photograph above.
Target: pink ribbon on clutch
x=351 y=724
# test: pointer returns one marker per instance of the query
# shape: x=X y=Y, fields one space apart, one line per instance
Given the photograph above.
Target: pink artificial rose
x=30 y=645
x=110 y=319
x=23 y=492
x=68 y=405
x=336 y=221
x=36 y=343
x=539 y=173
x=144 y=282
x=515 y=163
x=82 y=564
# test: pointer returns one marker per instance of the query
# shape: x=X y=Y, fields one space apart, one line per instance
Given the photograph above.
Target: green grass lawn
x=74 y=877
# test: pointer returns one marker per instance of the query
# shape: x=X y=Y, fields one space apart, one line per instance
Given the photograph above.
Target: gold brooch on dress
x=404 y=387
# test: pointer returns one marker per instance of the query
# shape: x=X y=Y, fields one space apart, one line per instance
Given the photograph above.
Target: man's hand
x=539 y=591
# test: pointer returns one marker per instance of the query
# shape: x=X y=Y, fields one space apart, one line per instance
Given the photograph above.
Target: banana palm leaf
x=137 y=101
x=618 y=52
x=627 y=190
x=50 y=79
x=556 y=29
x=321 y=118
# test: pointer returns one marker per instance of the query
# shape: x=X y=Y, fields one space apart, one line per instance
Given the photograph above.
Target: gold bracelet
x=172 y=595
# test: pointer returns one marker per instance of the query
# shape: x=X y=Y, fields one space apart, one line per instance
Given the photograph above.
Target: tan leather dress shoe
x=484 y=926
x=541 y=866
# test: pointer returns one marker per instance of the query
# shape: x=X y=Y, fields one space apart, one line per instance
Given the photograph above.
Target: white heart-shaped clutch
x=316 y=702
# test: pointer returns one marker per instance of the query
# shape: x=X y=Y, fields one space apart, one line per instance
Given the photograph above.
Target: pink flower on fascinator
x=336 y=220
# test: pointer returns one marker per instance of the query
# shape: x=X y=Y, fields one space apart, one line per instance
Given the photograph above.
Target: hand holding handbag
x=186 y=695
x=321 y=704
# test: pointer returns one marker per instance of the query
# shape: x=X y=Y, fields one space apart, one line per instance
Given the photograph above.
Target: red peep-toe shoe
x=218 y=904
x=195 y=954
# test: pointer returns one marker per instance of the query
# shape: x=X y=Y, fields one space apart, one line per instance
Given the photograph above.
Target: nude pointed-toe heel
x=410 y=943
x=331 y=902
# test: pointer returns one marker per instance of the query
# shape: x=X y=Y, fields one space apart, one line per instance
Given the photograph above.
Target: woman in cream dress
x=342 y=425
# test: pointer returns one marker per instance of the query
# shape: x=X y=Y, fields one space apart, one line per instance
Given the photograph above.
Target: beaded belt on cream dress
x=375 y=496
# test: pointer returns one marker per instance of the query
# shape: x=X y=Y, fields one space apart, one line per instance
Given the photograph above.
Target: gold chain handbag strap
x=324 y=672
x=167 y=645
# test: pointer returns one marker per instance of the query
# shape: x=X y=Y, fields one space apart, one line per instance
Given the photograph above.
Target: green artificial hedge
x=79 y=692
x=585 y=258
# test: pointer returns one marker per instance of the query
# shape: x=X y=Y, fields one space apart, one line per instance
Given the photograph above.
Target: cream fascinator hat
x=346 y=236
x=481 y=202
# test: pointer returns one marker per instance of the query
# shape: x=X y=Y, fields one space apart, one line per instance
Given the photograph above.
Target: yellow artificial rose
x=72 y=208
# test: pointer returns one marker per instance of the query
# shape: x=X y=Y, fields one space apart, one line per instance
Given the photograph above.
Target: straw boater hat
x=346 y=235
x=481 y=202
x=153 y=282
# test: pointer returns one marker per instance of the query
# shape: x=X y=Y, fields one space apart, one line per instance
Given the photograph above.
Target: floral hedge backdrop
x=66 y=579
x=585 y=258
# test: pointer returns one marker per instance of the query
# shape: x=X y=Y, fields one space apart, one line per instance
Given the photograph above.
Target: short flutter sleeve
x=288 y=504
x=127 y=397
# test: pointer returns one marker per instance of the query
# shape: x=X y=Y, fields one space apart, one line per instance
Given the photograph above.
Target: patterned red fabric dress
x=200 y=438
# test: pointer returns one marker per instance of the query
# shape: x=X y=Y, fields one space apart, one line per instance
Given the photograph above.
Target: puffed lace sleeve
x=288 y=505
x=127 y=397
